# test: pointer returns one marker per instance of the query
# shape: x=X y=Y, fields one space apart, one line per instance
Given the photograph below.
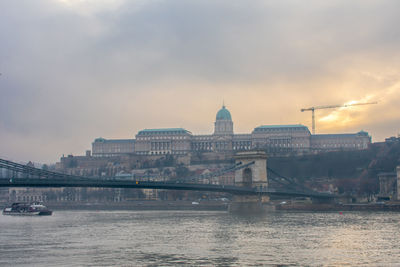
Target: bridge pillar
x=255 y=175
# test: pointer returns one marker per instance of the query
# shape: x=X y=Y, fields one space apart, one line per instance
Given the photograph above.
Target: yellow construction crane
x=312 y=109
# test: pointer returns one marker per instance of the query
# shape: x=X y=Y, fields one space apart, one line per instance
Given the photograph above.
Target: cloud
x=78 y=69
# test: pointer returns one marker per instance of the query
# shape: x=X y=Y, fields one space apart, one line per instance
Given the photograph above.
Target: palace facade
x=275 y=139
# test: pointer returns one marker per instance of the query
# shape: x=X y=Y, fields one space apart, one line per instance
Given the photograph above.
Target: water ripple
x=185 y=238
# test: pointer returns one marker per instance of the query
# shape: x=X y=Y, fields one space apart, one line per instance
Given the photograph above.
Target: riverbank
x=139 y=205
x=339 y=207
x=215 y=206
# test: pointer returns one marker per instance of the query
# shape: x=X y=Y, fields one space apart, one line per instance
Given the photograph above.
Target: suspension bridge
x=20 y=175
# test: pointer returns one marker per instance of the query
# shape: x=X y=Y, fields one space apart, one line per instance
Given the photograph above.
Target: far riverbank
x=139 y=205
x=214 y=206
x=340 y=207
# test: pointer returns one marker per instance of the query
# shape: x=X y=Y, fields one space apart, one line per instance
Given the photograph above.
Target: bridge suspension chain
x=220 y=172
x=290 y=182
x=20 y=168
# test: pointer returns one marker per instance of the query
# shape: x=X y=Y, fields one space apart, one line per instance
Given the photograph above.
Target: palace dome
x=224 y=114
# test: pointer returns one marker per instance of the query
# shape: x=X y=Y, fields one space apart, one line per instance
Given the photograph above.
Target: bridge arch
x=247 y=177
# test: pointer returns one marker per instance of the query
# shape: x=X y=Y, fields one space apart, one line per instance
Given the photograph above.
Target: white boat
x=27 y=209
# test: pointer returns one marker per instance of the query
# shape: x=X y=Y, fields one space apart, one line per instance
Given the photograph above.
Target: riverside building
x=274 y=139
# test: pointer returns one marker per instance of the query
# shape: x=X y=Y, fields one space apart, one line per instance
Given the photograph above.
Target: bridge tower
x=255 y=175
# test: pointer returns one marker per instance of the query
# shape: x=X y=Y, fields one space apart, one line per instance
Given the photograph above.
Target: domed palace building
x=275 y=139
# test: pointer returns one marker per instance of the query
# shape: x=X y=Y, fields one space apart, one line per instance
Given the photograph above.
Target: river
x=200 y=238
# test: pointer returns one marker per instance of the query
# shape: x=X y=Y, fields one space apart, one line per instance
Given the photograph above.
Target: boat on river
x=27 y=209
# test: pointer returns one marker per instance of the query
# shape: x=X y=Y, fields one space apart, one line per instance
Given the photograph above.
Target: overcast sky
x=75 y=70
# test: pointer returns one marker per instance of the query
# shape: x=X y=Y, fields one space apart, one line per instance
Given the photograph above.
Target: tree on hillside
x=182 y=172
x=347 y=186
x=368 y=187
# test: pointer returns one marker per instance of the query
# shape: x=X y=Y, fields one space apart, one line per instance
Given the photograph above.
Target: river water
x=207 y=238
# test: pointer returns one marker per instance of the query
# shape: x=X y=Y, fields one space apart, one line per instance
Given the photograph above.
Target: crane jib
x=332 y=106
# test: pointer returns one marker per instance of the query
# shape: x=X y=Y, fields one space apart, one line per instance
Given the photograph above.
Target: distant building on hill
x=357 y=141
x=109 y=148
x=275 y=139
x=393 y=139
